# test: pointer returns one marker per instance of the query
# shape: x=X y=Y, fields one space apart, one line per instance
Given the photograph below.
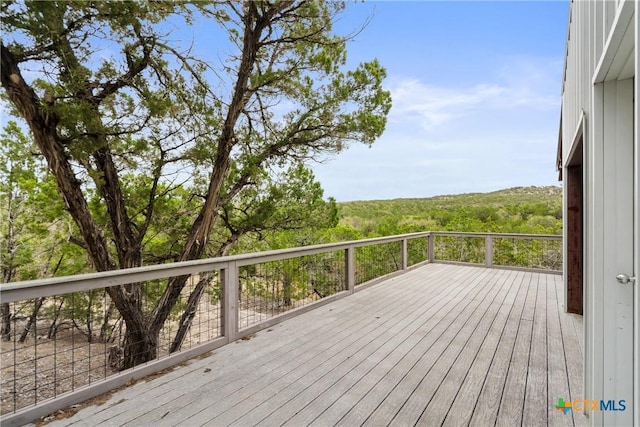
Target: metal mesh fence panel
x=374 y=261
x=272 y=288
x=545 y=254
x=417 y=250
x=60 y=343
x=460 y=249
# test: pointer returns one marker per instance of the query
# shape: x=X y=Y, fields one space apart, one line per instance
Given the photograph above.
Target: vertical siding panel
x=598 y=33
x=609 y=15
x=608 y=166
x=607 y=306
x=621 y=211
x=636 y=266
x=595 y=205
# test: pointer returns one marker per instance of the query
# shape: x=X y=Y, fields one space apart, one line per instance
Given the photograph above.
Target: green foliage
x=528 y=210
x=34 y=228
x=376 y=260
x=127 y=92
x=162 y=155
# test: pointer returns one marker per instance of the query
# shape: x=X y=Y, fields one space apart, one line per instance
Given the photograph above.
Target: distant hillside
x=518 y=209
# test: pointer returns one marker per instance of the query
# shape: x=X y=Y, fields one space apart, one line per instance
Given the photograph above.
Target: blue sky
x=476 y=98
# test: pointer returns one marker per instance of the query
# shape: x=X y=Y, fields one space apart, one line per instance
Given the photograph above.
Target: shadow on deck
x=442 y=344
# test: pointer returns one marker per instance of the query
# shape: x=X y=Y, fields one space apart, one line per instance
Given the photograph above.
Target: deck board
x=171 y=395
x=338 y=396
x=442 y=400
x=461 y=410
x=331 y=364
x=363 y=407
x=441 y=344
x=487 y=405
x=558 y=383
x=430 y=362
x=572 y=339
x=535 y=404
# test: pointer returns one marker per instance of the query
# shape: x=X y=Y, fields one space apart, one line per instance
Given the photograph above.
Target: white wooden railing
x=64 y=358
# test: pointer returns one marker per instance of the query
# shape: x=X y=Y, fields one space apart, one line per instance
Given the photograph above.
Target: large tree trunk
x=142 y=331
x=6 y=322
x=43 y=128
x=199 y=235
x=139 y=347
x=140 y=344
x=141 y=336
x=32 y=320
x=190 y=312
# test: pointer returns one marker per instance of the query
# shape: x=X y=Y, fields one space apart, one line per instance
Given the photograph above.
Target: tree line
x=129 y=148
x=158 y=154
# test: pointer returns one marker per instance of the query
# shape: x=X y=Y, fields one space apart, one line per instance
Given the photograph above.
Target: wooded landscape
x=130 y=150
x=158 y=155
x=532 y=210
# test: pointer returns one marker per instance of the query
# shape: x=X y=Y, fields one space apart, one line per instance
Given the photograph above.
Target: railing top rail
x=65 y=284
x=16 y=291
x=498 y=235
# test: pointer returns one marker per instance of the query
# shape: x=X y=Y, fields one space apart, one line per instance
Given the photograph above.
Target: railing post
x=230 y=301
x=432 y=254
x=349 y=269
x=488 y=251
x=404 y=255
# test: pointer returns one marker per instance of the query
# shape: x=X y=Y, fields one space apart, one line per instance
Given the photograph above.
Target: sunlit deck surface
x=441 y=344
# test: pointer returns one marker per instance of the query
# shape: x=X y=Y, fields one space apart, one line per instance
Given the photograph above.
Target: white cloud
x=521 y=83
x=415 y=101
x=444 y=139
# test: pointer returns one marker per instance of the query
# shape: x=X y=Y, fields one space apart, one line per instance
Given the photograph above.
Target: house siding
x=601 y=101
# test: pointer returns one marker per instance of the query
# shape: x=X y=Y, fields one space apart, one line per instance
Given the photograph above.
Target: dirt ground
x=40 y=368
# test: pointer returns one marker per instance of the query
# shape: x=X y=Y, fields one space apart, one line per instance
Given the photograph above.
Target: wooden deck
x=440 y=345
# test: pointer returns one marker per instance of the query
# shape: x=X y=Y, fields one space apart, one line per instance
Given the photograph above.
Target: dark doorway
x=575 y=255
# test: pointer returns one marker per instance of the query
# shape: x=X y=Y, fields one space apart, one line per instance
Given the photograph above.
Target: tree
x=33 y=225
x=17 y=175
x=111 y=97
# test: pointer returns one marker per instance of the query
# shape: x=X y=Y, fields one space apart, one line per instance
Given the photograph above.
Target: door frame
x=612 y=320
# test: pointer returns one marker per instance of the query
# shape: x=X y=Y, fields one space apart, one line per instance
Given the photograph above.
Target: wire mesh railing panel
x=196 y=316
x=376 y=260
x=460 y=249
x=544 y=254
x=53 y=345
x=417 y=250
x=272 y=288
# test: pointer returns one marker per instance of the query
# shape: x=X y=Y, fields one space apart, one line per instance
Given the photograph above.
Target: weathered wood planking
x=430 y=365
x=339 y=321
x=535 y=403
x=365 y=405
x=461 y=410
x=573 y=351
x=442 y=344
x=305 y=384
x=439 y=405
x=488 y=403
